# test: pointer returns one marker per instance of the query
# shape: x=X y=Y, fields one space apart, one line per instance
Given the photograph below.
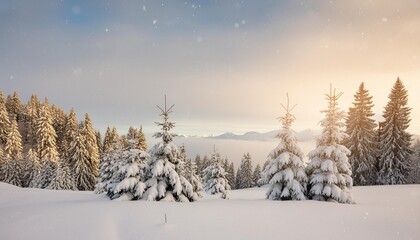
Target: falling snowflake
x=12 y=77
x=106 y=30
x=154 y=21
x=384 y=19
x=243 y=22
x=199 y=39
x=236 y=25
x=144 y=8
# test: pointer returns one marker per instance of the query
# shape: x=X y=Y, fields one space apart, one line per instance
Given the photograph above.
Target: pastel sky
x=226 y=65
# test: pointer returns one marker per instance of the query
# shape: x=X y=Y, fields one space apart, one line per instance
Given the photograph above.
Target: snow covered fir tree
x=12 y=167
x=285 y=172
x=394 y=140
x=215 y=177
x=362 y=138
x=414 y=174
x=328 y=169
x=127 y=174
x=163 y=181
x=244 y=176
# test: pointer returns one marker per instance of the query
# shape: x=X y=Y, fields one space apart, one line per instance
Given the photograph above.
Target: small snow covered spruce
x=127 y=170
x=163 y=181
x=190 y=181
x=244 y=177
x=285 y=172
x=329 y=169
x=62 y=178
x=215 y=177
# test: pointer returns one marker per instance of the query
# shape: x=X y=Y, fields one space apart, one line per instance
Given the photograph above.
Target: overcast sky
x=226 y=65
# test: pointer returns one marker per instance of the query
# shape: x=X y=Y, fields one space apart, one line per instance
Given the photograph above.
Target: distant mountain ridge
x=303 y=136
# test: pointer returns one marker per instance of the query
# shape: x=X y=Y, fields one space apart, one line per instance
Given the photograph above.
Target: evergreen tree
x=70 y=130
x=263 y=181
x=2 y=162
x=286 y=171
x=198 y=163
x=14 y=106
x=164 y=182
x=131 y=135
x=141 y=140
x=128 y=175
x=394 y=139
x=244 y=176
x=31 y=112
x=12 y=168
x=4 y=120
x=190 y=173
x=215 y=177
x=231 y=175
x=190 y=189
x=360 y=127
x=59 y=118
x=329 y=170
x=99 y=142
x=80 y=157
x=31 y=167
x=46 y=136
x=44 y=178
x=13 y=147
x=204 y=164
x=414 y=175
x=108 y=166
x=91 y=146
x=256 y=175
x=62 y=178
x=115 y=139
x=123 y=142
x=107 y=145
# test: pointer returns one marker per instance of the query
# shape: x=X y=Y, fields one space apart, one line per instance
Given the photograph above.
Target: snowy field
x=381 y=212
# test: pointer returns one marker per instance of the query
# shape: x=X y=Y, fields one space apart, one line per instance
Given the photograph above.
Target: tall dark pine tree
x=360 y=127
x=394 y=139
x=329 y=170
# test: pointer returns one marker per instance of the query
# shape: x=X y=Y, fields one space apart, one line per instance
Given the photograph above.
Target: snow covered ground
x=381 y=212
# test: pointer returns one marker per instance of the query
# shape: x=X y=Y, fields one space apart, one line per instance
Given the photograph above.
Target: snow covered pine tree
x=163 y=183
x=215 y=177
x=362 y=140
x=329 y=170
x=286 y=171
x=395 y=141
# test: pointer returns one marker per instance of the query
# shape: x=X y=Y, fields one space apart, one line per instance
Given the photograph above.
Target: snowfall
x=381 y=212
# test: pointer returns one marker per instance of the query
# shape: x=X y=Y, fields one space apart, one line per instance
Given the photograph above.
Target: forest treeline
x=42 y=146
